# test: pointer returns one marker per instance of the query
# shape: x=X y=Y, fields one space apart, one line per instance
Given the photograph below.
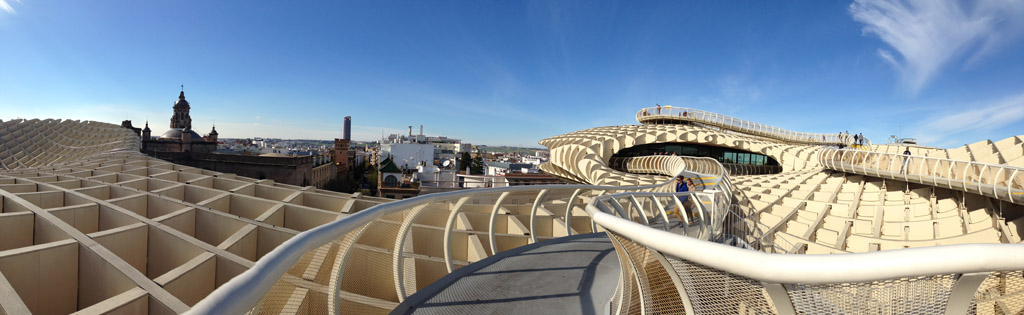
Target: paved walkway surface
x=569 y=275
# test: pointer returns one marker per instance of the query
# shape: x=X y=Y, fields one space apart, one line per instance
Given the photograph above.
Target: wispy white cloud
x=733 y=93
x=736 y=88
x=6 y=7
x=929 y=34
x=955 y=127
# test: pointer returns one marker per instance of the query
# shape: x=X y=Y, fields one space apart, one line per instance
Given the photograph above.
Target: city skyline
x=508 y=73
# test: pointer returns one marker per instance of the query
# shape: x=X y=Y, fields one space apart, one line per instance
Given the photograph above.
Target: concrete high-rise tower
x=348 y=128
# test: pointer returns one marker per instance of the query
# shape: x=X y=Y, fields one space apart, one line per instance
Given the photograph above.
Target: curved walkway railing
x=668 y=273
x=274 y=280
x=669 y=113
x=999 y=181
x=663 y=272
x=710 y=202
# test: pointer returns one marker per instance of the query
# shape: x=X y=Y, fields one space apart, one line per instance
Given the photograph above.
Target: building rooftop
x=175 y=134
x=838 y=227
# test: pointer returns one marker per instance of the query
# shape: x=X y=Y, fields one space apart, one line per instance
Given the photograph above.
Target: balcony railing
x=663 y=271
x=666 y=272
x=1000 y=181
x=291 y=271
x=680 y=114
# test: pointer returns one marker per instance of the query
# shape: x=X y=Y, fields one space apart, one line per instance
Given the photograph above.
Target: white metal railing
x=711 y=203
x=705 y=277
x=712 y=278
x=470 y=183
x=670 y=113
x=741 y=225
x=250 y=289
x=1000 y=181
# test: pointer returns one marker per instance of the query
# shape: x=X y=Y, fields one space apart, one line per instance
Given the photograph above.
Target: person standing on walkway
x=855 y=139
x=659 y=108
x=906 y=160
x=681 y=187
x=861 y=138
x=691 y=187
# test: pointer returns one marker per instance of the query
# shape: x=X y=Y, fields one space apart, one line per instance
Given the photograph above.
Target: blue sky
x=512 y=73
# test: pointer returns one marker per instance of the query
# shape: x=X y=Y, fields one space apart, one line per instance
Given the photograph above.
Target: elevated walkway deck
x=669 y=114
x=569 y=275
x=1000 y=181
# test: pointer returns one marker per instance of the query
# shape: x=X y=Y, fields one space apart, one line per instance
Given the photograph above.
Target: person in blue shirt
x=681 y=186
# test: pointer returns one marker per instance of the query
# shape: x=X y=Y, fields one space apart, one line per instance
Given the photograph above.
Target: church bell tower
x=181 y=119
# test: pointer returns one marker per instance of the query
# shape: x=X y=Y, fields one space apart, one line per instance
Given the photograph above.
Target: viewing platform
x=674 y=115
x=570 y=275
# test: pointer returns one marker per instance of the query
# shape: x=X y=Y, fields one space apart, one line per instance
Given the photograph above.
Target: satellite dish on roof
x=446 y=163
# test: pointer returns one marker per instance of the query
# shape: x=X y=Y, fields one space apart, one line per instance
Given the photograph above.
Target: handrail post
x=683 y=213
x=963 y=178
x=981 y=176
x=533 y=214
x=949 y=174
x=962 y=293
x=995 y=180
x=494 y=221
x=618 y=209
x=920 y=169
x=780 y=298
x=661 y=209
x=639 y=208
x=449 y=226
x=568 y=211
x=1009 y=185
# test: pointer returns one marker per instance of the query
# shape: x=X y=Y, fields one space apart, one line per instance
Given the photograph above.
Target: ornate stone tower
x=181 y=119
x=147 y=133
x=212 y=137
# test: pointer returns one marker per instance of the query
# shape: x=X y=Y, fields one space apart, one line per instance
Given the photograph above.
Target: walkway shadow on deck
x=569 y=275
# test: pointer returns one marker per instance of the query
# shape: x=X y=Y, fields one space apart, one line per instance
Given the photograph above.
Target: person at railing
x=906 y=160
x=691 y=187
x=855 y=139
x=658 y=106
x=862 y=139
x=681 y=186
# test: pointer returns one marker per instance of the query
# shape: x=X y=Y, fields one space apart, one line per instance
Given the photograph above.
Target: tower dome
x=181 y=102
x=181 y=118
